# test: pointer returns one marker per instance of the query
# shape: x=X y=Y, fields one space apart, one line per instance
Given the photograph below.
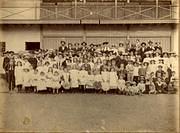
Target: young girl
x=49 y=76
x=90 y=81
x=35 y=78
x=98 y=80
x=122 y=71
x=113 y=82
x=130 y=69
x=172 y=86
x=121 y=84
x=65 y=79
x=19 y=75
x=27 y=79
x=135 y=72
x=83 y=74
x=56 y=82
x=74 y=77
x=127 y=90
x=132 y=57
x=41 y=82
x=152 y=67
x=134 y=89
x=141 y=85
x=152 y=89
x=105 y=80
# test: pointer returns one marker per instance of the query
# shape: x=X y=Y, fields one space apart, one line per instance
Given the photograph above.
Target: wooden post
x=75 y=9
x=157 y=8
x=115 y=12
x=56 y=11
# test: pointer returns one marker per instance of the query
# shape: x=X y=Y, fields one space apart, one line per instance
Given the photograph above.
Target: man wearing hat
x=157 y=47
x=5 y=64
x=150 y=46
x=11 y=74
x=142 y=50
x=63 y=48
x=160 y=72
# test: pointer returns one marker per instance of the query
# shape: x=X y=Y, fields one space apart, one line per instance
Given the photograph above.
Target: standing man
x=11 y=76
x=5 y=64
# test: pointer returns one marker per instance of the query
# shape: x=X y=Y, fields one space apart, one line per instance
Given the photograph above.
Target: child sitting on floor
x=121 y=84
x=141 y=85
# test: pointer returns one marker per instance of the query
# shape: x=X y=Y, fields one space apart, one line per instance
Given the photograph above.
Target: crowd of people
x=124 y=68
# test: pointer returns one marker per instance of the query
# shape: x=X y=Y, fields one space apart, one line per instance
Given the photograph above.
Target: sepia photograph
x=89 y=66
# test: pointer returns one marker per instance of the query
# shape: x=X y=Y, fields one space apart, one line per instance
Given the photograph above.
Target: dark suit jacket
x=5 y=63
x=63 y=48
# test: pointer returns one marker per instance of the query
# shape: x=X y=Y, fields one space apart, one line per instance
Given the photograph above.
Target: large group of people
x=124 y=68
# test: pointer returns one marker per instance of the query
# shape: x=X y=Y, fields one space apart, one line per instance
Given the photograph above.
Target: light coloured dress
x=65 y=82
x=113 y=80
x=27 y=78
x=121 y=84
x=19 y=75
x=74 y=75
x=105 y=81
x=55 y=82
x=83 y=77
x=141 y=87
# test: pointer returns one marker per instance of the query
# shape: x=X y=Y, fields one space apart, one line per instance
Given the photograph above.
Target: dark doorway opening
x=32 y=46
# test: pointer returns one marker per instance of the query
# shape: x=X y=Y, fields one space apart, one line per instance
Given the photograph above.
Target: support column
x=75 y=9
x=157 y=8
x=115 y=12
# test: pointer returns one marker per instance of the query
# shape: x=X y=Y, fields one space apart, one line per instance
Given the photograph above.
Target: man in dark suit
x=150 y=46
x=142 y=50
x=11 y=75
x=33 y=61
x=157 y=47
x=5 y=64
x=63 y=48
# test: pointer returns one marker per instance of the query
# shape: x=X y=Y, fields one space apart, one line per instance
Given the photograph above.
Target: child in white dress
x=49 y=77
x=83 y=74
x=56 y=82
x=113 y=79
x=66 y=79
x=74 y=76
x=90 y=81
x=130 y=70
x=35 y=78
x=152 y=89
x=41 y=82
x=121 y=84
x=19 y=75
x=134 y=89
x=105 y=80
x=141 y=85
x=27 y=76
